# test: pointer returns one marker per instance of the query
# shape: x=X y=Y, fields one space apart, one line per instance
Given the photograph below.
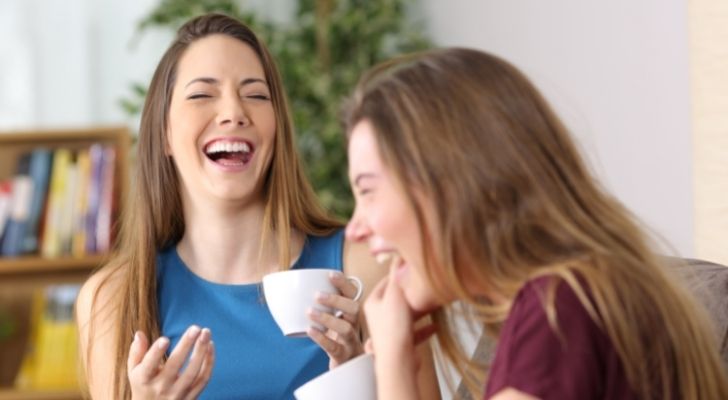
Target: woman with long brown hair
x=220 y=200
x=465 y=177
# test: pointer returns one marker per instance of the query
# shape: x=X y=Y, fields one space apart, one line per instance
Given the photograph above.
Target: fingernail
x=335 y=275
x=205 y=335
x=314 y=312
x=135 y=337
x=162 y=342
x=322 y=295
x=193 y=331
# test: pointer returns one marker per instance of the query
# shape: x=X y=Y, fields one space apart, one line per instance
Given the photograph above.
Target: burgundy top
x=580 y=364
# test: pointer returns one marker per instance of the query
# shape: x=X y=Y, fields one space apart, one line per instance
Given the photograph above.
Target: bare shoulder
x=359 y=262
x=95 y=318
x=96 y=293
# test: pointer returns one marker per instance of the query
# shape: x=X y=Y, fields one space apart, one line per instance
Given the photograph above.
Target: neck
x=223 y=244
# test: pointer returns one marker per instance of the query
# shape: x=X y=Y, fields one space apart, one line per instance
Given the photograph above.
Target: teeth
x=383 y=258
x=228 y=147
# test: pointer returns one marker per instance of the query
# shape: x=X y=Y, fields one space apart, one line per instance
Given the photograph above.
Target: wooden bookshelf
x=34 y=264
x=20 y=276
x=8 y=394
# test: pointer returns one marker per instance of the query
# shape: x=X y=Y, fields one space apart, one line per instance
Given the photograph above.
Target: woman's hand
x=342 y=340
x=153 y=378
x=390 y=321
x=393 y=339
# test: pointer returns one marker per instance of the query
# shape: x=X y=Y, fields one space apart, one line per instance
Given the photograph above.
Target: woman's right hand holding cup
x=151 y=377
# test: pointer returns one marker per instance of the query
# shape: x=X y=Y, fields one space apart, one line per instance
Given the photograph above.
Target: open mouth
x=229 y=152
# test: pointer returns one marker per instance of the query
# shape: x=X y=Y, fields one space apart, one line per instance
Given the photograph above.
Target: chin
x=422 y=301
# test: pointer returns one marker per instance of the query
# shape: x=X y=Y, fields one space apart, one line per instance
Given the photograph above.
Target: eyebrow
x=213 y=81
x=363 y=176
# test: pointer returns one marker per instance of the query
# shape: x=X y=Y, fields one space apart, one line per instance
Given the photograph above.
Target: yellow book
x=26 y=374
x=78 y=248
x=57 y=349
x=51 y=244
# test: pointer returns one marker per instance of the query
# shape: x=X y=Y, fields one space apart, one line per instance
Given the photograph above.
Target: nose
x=232 y=112
x=357 y=229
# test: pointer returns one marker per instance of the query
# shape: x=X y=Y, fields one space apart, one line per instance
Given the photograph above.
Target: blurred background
x=619 y=74
x=643 y=86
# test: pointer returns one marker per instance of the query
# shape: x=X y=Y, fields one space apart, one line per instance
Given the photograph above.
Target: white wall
x=617 y=73
x=67 y=63
x=709 y=78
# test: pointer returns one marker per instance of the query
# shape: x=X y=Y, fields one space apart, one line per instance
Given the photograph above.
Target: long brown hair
x=153 y=218
x=513 y=201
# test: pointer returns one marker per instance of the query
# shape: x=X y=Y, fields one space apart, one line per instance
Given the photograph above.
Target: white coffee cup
x=352 y=380
x=289 y=294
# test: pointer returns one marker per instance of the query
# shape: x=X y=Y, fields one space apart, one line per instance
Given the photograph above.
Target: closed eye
x=198 y=96
x=262 y=97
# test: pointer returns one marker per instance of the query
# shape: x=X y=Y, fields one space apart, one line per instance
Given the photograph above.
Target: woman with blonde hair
x=465 y=177
x=220 y=200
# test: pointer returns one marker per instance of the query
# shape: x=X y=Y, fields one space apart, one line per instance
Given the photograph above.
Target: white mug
x=352 y=380
x=289 y=294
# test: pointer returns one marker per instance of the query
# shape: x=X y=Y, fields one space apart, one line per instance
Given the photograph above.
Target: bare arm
x=94 y=319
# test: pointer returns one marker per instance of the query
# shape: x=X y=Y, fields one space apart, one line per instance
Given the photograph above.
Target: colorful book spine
x=83 y=161
x=51 y=243
x=68 y=219
x=19 y=210
x=40 y=170
x=106 y=203
x=96 y=157
x=6 y=193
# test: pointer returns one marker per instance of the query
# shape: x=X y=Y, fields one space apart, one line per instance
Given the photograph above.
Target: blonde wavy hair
x=516 y=201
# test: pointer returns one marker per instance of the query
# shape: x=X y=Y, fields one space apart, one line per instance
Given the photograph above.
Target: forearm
x=396 y=378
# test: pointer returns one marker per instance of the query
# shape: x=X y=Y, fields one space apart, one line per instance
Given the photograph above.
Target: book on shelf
x=106 y=201
x=78 y=245
x=96 y=157
x=51 y=357
x=60 y=202
x=40 y=169
x=6 y=192
x=22 y=192
x=51 y=242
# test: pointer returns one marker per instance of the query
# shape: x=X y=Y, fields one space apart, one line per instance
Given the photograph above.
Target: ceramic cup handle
x=359 y=290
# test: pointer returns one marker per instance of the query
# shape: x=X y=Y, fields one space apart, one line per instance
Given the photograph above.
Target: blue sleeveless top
x=253 y=360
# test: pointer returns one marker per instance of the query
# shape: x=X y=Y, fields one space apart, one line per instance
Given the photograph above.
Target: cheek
x=171 y=142
x=266 y=128
x=269 y=128
x=384 y=223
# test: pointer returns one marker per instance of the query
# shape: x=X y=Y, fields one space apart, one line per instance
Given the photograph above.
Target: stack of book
x=59 y=203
